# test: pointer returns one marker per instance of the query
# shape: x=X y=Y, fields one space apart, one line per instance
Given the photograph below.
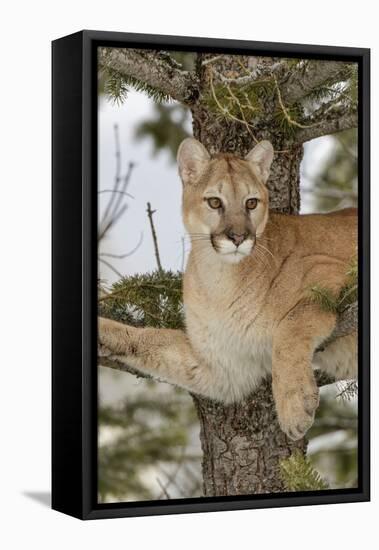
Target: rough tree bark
x=243 y=444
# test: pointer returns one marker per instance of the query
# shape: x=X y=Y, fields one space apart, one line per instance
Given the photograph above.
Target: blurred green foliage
x=334 y=435
x=144 y=432
x=165 y=129
x=336 y=185
x=334 y=438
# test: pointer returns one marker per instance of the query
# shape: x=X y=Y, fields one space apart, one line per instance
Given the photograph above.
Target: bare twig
x=115 y=207
x=150 y=213
x=111 y=267
x=126 y=181
x=164 y=489
x=115 y=191
x=126 y=254
x=171 y=479
x=111 y=222
x=348 y=390
x=117 y=179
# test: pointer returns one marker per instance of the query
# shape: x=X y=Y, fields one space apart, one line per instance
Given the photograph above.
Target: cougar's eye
x=251 y=204
x=214 y=202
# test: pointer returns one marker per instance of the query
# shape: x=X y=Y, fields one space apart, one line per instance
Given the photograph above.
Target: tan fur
x=247 y=307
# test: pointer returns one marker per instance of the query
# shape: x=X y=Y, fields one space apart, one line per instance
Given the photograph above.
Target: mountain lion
x=246 y=292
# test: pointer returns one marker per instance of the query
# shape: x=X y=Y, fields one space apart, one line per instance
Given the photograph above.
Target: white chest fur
x=238 y=354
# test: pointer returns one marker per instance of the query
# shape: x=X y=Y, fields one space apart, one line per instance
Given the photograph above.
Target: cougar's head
x=225 y=199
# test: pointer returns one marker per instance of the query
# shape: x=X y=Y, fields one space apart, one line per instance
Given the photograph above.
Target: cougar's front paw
x=296 y=409
x=102 y=351
x=111 y=336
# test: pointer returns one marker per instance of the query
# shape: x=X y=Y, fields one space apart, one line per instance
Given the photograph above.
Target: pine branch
x=329 y=87
x=345 y=304
x=116 y=364
x=324 y=298
x=156 y=70
x=304 y=79
x=339 y=118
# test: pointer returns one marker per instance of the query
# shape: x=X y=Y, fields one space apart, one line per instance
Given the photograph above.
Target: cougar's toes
x=296 y=410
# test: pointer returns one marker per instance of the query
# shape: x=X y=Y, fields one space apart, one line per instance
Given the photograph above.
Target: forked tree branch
x=154 y=68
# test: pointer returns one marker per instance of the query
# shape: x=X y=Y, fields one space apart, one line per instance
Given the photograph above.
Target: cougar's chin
x=232 y=254
x=233 y=258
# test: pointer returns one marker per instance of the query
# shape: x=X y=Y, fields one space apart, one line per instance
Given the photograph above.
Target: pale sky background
x=156 y=179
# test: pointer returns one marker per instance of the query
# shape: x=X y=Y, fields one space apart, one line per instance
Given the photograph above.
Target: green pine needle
x=148 y=299
x=244 y=102
x=328 y=301
x=117 y=86
x=324 y=297
x=352 y=272
x=298 y=474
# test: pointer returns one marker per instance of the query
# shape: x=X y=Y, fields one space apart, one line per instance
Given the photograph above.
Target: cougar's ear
x=261 y=156
x=192 y=158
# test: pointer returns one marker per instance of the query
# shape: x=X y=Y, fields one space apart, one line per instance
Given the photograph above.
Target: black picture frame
x=74 y=204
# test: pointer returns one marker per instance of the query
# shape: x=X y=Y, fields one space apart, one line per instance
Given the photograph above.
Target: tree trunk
x=243 y=444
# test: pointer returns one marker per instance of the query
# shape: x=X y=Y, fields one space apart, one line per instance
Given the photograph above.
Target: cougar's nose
x=236 y=238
